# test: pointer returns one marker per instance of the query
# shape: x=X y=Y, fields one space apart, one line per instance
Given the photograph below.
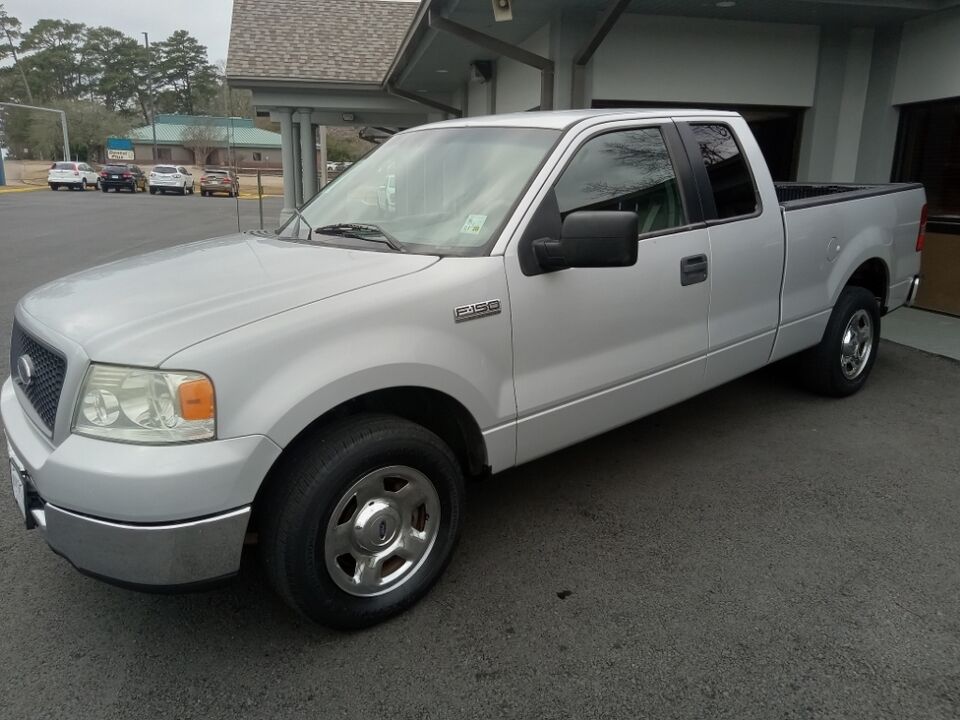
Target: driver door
x=595 y=348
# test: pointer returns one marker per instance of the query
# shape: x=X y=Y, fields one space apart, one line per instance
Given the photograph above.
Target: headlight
x=145 y=406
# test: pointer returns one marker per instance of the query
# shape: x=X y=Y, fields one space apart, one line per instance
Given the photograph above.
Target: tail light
x=103 y=173
x=127 y=175
x=203 y=178
x=226 y=181
x=922 y=233
x=75 y=172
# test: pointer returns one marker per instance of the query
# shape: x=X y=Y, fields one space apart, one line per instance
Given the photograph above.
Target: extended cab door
x=595 y=348
x=746 y=244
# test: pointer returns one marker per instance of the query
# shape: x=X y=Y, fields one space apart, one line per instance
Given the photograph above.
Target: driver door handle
x=693 y=269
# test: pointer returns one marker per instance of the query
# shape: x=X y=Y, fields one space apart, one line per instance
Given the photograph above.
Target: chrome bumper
x=912 y=292
x=147 y=556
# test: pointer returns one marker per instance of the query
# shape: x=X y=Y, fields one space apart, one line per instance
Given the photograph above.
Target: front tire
x=840 y=364
x=358 y=525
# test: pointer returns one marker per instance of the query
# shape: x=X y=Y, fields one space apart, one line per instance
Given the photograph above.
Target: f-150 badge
x=476 y=310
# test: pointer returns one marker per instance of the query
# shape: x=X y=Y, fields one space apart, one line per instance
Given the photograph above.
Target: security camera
x=481 y=71
x=502 y=10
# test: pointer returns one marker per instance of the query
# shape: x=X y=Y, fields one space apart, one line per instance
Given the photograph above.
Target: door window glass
x=730 y=179
x=624 y=170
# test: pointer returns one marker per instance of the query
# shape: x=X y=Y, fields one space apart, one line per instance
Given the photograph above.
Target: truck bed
x=793 y=195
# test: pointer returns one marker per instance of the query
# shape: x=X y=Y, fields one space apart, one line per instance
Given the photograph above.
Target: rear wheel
x=840 y=364
x=357 y=527
x=54 y=187
x=83 y=185
x=153 y=190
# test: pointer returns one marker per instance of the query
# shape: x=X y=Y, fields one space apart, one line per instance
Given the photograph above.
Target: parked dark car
x=214 y=180
x=123 y=175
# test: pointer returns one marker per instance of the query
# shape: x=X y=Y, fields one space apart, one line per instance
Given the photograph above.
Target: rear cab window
x=731 y=186
x=164 y=170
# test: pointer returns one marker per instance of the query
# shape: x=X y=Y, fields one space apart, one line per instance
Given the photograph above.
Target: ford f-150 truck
x=474 y=294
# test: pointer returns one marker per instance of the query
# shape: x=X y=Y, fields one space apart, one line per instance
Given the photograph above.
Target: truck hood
x=143 y=309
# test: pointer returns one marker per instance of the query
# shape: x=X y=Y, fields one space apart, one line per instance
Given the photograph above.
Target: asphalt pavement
x=756 y=552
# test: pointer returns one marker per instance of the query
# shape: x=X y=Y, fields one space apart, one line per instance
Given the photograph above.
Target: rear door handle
x=693 y=269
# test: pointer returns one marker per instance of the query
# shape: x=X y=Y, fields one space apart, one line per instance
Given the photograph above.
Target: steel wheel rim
x=381 y=531
x=856 y=344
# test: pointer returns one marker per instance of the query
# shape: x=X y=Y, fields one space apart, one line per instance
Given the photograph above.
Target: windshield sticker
x=473 y=224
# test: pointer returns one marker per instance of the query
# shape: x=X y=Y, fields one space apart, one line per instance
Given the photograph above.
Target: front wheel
x=840 y=364
x=356 y=528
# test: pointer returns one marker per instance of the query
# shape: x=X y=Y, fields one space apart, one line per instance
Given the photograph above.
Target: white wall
x=518 y=85
x=672 y=59
x=929 y=66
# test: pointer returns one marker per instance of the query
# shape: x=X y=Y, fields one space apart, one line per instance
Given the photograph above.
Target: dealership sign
x=119 y=149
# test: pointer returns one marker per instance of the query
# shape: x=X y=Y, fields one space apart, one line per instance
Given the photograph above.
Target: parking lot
x=755 y=552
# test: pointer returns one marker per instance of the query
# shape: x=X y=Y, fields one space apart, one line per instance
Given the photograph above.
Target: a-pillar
x=308 y=154
x=289 y=169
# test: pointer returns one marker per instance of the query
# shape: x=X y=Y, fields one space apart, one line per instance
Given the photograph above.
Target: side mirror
x=591 y=238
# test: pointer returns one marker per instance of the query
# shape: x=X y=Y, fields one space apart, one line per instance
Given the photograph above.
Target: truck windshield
x=441 y=191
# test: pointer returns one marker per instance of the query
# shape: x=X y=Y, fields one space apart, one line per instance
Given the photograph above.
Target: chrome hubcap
x=856 y=345
x=382 y=530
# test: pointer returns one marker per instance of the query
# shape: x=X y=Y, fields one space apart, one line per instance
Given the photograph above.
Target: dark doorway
x=777 y=129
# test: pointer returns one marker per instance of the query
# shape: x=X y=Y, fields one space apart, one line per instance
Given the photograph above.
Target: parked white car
x=171 y=177
x=73 y=175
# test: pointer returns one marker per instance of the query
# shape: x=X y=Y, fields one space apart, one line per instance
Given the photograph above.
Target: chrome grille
x=49 y=370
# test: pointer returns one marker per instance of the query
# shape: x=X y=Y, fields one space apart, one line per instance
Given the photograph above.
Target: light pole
x=153 y=107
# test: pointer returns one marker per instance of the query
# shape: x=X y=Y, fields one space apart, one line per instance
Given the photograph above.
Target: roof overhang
x=430 y=61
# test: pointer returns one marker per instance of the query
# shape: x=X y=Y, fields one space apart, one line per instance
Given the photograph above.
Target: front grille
x=49 y=370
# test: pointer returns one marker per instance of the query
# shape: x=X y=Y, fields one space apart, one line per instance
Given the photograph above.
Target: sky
x=206 y=20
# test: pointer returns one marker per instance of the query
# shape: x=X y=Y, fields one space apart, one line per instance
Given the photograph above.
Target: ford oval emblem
x=382 y=529
x=25 y=370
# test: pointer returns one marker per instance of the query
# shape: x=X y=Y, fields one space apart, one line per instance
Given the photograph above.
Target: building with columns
x=835 y=90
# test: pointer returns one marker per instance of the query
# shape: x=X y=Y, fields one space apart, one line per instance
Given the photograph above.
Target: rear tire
x=153 y=191
x=83 y=185
x=840 y=364
x=54 y=187
x=337 y=516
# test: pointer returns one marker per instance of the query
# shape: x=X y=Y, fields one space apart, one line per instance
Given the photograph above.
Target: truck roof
x=562 y=119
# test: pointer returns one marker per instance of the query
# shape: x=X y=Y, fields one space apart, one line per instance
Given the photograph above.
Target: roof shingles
x=343 y=40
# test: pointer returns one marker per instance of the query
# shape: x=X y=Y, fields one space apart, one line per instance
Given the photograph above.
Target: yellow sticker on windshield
x=473 y=224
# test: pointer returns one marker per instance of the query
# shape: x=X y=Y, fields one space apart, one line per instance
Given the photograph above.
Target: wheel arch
x=873 y=275
x=435 y=410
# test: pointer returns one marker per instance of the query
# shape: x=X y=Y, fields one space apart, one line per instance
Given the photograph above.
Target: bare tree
x=202 y=138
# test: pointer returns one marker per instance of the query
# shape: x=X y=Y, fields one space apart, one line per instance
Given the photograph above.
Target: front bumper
x=139 y=515
x=147 y=557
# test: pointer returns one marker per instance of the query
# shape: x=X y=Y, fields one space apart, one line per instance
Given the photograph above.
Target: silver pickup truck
x=471 y=296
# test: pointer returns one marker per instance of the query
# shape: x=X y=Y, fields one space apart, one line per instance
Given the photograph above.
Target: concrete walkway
x=929 y=331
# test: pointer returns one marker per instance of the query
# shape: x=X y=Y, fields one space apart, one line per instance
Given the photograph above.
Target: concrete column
x=308 y=154
x=878 y=138
x=286 y=156
x=831 y=139
x=320 y=131
x=297 y=166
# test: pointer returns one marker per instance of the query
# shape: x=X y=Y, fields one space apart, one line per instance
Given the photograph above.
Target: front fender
x=276 y=376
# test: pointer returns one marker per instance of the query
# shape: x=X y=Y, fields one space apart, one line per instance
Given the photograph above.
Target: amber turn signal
x=196 y=400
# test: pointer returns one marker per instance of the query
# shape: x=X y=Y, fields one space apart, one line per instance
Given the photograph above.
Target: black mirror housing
x=600 y=238
x=591 y=239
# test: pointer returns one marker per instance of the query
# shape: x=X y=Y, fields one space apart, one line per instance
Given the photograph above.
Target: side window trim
x=704 y=186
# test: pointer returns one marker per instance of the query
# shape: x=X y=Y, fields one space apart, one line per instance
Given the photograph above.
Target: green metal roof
x=242 y=134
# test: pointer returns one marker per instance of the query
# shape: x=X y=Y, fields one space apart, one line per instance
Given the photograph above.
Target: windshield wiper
x=362 y=231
